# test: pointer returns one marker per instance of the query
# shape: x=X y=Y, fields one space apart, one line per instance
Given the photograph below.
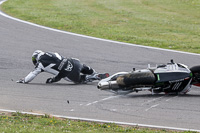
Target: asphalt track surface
x=18 y=40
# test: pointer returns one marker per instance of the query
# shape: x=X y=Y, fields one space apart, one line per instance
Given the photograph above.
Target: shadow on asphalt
x=160 y=95
x=61 y=84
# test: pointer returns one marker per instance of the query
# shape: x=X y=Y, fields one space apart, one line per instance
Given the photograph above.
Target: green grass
x=24 y=123
x=170 y=24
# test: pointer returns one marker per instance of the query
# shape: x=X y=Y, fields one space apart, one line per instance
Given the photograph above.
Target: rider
x=69 y=69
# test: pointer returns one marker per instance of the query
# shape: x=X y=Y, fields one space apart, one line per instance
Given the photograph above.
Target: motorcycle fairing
x=172 y=73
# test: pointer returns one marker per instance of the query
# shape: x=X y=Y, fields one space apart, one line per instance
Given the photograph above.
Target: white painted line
x=168 y=99
x=171 y=98
x=92 y=103
x=71 y=110
x=153 y=106
x=1 y=2
x=95 y=102
x=88 y=104
x=95 y=38
x=13 y=111
x=105 y=121
x=111 y=97
x=102 y=100
x=113 y=110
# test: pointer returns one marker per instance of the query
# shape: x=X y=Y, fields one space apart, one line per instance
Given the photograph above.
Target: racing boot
x=96 y=76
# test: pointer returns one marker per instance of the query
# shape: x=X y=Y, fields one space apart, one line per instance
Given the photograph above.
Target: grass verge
x=170 y=24
x=17 y=122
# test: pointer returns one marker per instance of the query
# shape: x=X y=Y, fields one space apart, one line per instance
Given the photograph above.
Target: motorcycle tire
x=196 y=73
x=139 y=78
x=195 y=69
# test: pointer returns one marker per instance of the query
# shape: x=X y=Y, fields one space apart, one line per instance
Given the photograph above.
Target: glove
x=20 y=81
x=49 y=80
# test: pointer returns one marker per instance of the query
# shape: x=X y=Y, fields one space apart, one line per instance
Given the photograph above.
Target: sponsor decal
x=173 y=81
x=69 y=66
x=158 y=77
x=62 y=64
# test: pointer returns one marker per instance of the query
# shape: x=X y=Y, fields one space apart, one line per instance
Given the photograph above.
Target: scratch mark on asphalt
x=149 y=101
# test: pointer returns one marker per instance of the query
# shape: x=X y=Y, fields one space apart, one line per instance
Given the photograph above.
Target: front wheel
x=196 y=74
x=195 y=69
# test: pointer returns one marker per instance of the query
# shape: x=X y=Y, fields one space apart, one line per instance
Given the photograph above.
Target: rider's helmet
x=35 y=56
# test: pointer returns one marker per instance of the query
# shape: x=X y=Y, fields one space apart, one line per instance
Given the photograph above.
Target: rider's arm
x=31 y=75
x=54 y=79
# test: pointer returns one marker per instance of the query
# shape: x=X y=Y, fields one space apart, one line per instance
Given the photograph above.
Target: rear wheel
x=137 y=78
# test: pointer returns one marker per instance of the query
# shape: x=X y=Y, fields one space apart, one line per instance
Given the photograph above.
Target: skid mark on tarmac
x=145 y=103
x=156 y=99
x=149 y=101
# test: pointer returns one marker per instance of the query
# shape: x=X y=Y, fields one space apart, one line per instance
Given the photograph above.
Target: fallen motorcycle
x=170 y=78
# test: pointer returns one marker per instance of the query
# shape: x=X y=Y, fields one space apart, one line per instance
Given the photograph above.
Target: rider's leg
x=75 y=74
x=87 y=70
x=83 y=73
x=91 y=74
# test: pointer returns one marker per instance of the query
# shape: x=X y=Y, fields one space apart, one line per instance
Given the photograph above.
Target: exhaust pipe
x=108 y=85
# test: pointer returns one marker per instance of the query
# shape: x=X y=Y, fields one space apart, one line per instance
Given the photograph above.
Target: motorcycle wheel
x=195 y=69
x=137 y=79
x=196 y=73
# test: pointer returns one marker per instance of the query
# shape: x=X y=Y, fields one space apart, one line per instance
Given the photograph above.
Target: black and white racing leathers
x=67 y=68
